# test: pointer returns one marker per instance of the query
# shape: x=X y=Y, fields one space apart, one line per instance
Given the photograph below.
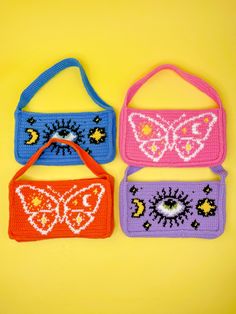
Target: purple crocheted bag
x=173 y=209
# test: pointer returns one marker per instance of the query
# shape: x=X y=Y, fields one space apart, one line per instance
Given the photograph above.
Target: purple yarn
x=173 y=209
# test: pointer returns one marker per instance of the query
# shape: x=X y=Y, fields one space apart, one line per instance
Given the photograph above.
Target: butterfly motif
x=186 y=136
x=46 y=208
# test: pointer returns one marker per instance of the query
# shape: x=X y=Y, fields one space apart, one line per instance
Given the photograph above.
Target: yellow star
x=146 y=129
x=206 y=120
x=75 y=202
x=78 y=219
x=206 y=207
x=188 y=147
x=97 y=135
x=153 y=148
x=184 y=130
x=44 y=220
x=36 y=201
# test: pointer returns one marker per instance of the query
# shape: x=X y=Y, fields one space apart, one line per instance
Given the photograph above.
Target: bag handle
x=219 y=170
x=42 y=79
x=194 y=80
x=85 y=157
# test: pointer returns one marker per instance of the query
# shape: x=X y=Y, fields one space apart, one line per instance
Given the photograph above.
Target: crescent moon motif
x=33 y=136
x=85 y=200
x=139 y=208
x=194 y=128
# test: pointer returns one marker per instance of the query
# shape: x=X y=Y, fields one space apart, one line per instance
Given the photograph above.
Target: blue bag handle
x=47 y=75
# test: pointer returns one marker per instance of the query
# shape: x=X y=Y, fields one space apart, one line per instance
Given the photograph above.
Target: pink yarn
x=178 y=138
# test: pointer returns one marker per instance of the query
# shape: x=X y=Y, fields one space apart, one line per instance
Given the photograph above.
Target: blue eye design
x=170 y=207
x=66 y=130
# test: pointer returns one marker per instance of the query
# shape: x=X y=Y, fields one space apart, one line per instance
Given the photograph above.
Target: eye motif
x=169 y=208
x=65 y=130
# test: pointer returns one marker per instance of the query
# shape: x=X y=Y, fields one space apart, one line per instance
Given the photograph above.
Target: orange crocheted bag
x=53 y=209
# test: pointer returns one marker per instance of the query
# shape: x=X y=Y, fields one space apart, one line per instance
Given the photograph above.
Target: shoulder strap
x=194 y=80
x=42 y=79
x=85 y=157
x=219 y=170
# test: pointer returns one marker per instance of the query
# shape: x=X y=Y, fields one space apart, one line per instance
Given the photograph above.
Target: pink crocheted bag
x=173 y=138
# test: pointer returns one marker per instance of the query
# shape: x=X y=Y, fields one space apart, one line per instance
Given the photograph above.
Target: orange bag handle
x=85 y=157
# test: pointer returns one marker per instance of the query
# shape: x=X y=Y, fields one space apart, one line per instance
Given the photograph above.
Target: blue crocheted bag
x=95 y=132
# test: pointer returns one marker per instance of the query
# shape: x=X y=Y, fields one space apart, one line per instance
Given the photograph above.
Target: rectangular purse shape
x=173 y=209
x=173 y=138
x=61 y=209
x=95 y=132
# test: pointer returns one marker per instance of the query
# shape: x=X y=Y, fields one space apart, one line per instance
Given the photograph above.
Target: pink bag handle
x=196 y=81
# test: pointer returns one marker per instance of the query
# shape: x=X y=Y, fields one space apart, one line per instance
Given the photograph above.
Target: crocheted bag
x=93 y=131
x=52 y=209
x=177 y=138
x=173 y=209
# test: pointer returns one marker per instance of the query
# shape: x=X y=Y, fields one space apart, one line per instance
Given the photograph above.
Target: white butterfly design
x=186 y=136
x=46 y=208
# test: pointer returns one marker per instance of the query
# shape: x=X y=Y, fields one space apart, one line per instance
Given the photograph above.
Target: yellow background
x=117 y=42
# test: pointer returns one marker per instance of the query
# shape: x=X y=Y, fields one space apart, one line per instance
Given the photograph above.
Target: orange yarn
x=52 y=209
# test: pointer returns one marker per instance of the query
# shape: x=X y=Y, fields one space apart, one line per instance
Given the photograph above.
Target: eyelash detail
x=170 y=207
x=66 y=130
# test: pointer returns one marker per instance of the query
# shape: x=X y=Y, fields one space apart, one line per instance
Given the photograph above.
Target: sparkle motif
x=36 y=201
x=78 y=219
x=133 y=190
x=153 y=148
x=44 y=220
x=31 y=121
x=97 y=135
x=97 y=119
x=147 y=225
x=195 y=224
x=207 y=189
x=146 y=129
x=206 y=207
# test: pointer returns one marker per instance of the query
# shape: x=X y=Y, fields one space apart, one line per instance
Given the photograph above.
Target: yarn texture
x=95 y=132
x=173 y=209
x=173 y=138
x=52 y=209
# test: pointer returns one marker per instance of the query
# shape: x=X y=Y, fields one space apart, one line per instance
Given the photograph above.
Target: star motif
x=44 y=220
x=207 y=189
x=31 y=121
x=195 y=224
x=206 y=207
x=133 y=190
x=147 y=225
x=36 y=201
x=97 y=119
x=184 y=130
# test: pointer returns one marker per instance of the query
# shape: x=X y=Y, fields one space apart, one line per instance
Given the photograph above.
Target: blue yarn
x=93 y=131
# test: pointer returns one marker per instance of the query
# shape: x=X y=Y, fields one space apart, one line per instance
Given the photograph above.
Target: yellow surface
x=118 y=42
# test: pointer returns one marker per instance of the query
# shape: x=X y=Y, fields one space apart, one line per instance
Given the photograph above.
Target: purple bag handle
x=219 y=170
x=194 y=80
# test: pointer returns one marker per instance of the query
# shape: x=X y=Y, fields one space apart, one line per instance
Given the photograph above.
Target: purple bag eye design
x=173 y=209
